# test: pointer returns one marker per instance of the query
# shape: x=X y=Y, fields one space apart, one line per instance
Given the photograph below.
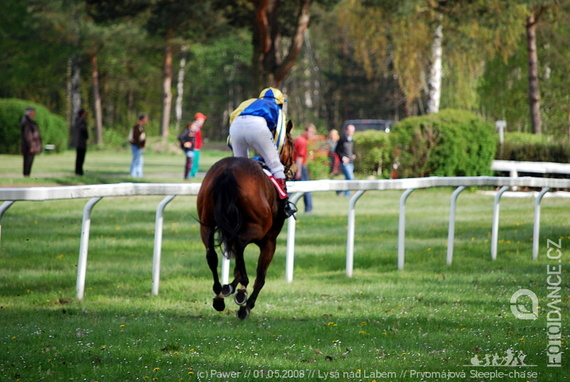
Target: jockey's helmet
x=273 y=93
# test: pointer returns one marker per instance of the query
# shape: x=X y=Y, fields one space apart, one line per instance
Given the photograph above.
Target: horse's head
x=287 y=153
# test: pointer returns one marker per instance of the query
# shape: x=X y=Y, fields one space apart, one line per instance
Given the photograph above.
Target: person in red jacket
x=300 y=155
x=199 y=120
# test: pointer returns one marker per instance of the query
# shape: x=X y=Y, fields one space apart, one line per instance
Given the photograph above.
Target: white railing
x=514 y=167
x=96 y=192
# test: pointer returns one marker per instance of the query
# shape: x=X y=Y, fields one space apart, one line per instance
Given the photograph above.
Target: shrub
x=534 y=148
x=115 y=138
x=319 y=166
x=372 y=152
x=53 y=128
x=448 y=143
x=318 y=163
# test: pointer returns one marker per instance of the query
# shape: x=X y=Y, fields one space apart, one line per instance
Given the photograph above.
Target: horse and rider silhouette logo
x=510 y=358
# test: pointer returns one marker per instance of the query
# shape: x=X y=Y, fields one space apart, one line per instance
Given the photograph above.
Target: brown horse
x=238 y=205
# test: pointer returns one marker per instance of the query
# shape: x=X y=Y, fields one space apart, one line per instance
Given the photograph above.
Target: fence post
x=158 y=242
x=350 y=232
x=495 y=229
x=451 y=230
x=402 y=228
x=3 y=209
x=536 y=228
x=290 y=251
x=84 y=246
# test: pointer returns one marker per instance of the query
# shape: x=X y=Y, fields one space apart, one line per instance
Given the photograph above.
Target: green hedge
x=319 y=166
x=53 y=128
x=372 y=149
x=448 y=143
x=534 y=148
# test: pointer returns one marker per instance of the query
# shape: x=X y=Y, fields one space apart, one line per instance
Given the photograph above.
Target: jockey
x=260 y=123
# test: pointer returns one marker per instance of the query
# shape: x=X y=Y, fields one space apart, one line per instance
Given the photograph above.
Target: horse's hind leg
x=240 y=277
x=229 y=289
x=212 y=258
x=265 y=257
x=240 y=274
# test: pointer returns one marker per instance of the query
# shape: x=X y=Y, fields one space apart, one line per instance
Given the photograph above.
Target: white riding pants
x=249 y=131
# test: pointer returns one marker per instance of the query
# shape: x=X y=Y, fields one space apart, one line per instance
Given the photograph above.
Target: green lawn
x=100 y=167
x=382 y=324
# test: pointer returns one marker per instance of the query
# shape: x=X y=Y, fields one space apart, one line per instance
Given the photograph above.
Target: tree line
x=335 y=59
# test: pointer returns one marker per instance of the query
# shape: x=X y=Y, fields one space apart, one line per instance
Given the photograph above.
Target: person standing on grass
x=31 y=139
x=137 y=139
x=345 y=152
x=300 y=155
x=80 y=136
x=199 y=120
x=332 y=141
x=187 y=141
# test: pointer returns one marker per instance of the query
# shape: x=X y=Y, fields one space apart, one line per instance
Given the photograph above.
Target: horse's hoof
x=243 y=313
x=219 y=304
x=227 y=290
x=241 y=297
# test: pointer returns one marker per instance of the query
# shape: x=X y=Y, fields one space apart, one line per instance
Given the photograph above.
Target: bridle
x=287 y=158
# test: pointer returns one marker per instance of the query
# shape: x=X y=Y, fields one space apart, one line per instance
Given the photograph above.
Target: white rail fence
x=96 y=192
x=514 y=167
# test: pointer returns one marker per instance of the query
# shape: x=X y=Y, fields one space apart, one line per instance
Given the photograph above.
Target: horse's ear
x=289 y=126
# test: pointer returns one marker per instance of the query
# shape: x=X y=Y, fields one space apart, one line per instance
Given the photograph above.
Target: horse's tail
x=227 y=214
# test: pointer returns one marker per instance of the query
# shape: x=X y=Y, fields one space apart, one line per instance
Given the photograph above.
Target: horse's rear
x=238 y=205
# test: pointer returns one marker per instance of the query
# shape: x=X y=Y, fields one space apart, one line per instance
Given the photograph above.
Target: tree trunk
x=74 y=89
x=435 y=75
x=180 y=86
x=533 y=87
x=166 y=90
x=262 y=41
x=285 y=66
x=268 y=67
x=568 y=123
x=97 y=100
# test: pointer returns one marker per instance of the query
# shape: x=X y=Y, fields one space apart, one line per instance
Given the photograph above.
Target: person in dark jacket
x=31 y=139
x=80 y=136
x=137 y=139
x=187 y=141
x=345 y=151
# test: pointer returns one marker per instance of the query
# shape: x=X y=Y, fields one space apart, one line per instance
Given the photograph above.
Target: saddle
x=281 y=190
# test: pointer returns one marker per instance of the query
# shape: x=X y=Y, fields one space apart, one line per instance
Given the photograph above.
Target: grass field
x=429 y=322
x=100 y=167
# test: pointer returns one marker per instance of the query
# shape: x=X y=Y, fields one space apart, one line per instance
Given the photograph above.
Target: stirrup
x=290 y=209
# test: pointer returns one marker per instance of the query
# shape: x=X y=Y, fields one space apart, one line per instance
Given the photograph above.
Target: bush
x=448 y=143
x=319 y=166
x=53 y=128
x=372 y=152
x=318 y=163
x=534 y=148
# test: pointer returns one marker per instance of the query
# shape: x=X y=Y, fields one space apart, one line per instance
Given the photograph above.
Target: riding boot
x=288 y=207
